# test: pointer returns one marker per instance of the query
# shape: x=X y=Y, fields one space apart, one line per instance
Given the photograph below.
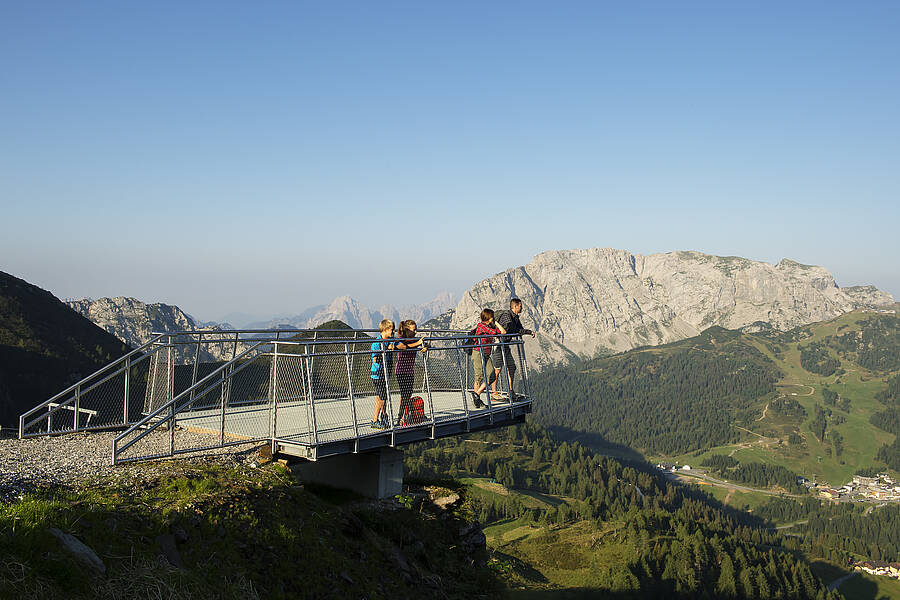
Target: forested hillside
x=819 y=401
x=666 y=400
x=44 y=347
x=591 y=522
x=889 y=420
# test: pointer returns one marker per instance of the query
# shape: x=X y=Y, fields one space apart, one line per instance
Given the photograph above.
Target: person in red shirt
x=481 y=355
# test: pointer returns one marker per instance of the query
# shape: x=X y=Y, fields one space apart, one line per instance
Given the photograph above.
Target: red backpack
x=415 y=414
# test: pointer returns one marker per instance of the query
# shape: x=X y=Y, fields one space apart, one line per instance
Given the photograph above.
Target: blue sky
x=265 y=157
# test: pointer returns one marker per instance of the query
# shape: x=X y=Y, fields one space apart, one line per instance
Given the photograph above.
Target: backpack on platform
x=415 y=414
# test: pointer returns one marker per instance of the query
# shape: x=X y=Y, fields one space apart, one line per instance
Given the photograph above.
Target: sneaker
x=498 y=397
x=377 y=425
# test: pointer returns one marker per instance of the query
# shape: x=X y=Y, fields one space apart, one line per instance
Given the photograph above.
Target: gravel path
x=48 y=461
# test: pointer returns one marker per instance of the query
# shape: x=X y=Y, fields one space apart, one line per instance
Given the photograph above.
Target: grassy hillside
x=806 y=400
x=44 y=347
x=212 y=530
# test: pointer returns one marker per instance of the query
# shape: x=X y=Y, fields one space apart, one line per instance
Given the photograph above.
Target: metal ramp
x=308 y=393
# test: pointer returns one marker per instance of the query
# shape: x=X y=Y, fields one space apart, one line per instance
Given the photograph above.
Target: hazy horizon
x=229 y=159
x=369 y=302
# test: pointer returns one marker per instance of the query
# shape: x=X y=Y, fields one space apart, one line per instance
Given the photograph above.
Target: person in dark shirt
x=502 y=354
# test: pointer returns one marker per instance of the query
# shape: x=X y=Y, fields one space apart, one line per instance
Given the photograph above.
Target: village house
x=830 y=493
x=879 y=567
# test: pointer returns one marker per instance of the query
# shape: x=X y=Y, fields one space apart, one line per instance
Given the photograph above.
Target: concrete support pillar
x=376 y=474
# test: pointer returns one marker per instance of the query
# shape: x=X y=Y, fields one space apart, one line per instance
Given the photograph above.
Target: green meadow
x=766 y=437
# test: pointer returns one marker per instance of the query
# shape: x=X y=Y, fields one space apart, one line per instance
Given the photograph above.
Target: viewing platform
x=307 y=393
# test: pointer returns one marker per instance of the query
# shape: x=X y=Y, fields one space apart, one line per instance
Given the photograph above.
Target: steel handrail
x=23 y=426
x=168 y=405
x=510 y=337
x=97 y=372
x=509 y=343
x=54 y=409
x=285 y=330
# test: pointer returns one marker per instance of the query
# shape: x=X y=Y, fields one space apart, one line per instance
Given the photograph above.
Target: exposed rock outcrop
x=603 y=300
x=134 y=322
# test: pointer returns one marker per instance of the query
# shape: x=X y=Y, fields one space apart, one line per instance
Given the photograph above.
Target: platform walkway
x=306 y=392
x=335 y=434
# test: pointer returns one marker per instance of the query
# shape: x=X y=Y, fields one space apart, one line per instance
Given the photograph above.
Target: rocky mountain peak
x=601 y=300
x=134 y=322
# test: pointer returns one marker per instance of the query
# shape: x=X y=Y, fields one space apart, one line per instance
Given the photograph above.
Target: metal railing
x=124 y=391
x=307 y=392
x=314 y=395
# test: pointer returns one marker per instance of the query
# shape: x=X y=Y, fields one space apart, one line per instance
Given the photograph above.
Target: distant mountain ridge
x=360 y=316
x=603 y=300
x=134 y=321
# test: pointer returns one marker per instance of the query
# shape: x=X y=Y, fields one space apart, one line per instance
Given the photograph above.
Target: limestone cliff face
x=133 y=322
x=606 y=300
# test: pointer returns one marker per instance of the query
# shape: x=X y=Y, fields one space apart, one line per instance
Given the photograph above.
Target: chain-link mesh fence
x=111 y=397
x=306 y=388
x=228 y=405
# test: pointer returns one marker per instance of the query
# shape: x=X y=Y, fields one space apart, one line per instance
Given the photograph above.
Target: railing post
x=428 y=390
x=77 y=407
x=306 y=379
x=487 y=384
x=524 y=370
x=274 y=412
x=196 y=366
x=237 y=336
x=127 y=391
x=172 y=429
x=312 y=404
x=170 y=373
x=352 y=398
x=462 y=385
x=223 y=401
x=388 y=405
x=505 y=356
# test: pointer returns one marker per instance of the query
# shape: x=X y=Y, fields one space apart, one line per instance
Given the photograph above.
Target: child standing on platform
x=382 y=351
x=405 y=367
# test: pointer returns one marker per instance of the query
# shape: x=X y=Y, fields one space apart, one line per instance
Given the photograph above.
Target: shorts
x=502 y=356
x=380 y=388
x=480 y=367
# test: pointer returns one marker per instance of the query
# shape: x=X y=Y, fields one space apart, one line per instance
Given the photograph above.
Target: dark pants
x=405 y=382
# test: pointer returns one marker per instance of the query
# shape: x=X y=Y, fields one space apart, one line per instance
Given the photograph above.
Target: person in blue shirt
x=381 y=353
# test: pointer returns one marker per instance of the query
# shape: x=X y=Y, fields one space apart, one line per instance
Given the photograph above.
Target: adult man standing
x=509 y=321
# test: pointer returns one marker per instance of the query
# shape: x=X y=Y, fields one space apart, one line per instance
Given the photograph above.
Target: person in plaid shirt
x=503 y=356
x=481 y=355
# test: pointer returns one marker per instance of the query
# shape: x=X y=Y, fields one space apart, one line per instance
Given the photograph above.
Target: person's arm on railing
x=412 y=343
